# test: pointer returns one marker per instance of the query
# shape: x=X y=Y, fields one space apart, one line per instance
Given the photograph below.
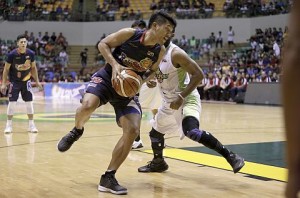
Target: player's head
x=167 y=43
x=22 y=41
x=163 y=25
x=141 y=24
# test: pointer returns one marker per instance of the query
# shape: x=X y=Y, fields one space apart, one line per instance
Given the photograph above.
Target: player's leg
x=190 y=126
x=129 y=119
x=13 y=95
x=26 y=93
x=164 y=122
x=89 y=104
x=158 y=163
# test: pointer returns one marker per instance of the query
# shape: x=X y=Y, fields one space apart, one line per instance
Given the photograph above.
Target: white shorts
x=150 y=98
x=168 y=121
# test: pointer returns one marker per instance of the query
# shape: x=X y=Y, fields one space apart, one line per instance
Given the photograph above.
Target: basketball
x=129 y=86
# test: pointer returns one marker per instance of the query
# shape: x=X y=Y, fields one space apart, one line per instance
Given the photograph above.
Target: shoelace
x=112 y=179
x=72 y=136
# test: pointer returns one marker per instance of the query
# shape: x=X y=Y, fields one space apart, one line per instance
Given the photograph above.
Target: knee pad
x=29 y=107
x=189 y=123
x=11 y=108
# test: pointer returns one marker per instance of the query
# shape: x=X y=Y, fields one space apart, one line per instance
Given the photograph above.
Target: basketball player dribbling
x=99 y=91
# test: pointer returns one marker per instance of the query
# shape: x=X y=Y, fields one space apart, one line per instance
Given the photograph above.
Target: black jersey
x=133 y=54
x=20 y=65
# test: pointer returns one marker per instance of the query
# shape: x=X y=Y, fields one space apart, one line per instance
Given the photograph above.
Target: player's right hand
x=116 y=71
x=3 y=89
x=151 y=83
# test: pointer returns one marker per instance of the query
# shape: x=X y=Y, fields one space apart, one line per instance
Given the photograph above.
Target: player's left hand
x=176 y=103
x=40 y=86
x=151 y=83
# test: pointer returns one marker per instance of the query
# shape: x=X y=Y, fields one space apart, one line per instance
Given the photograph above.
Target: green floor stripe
x=251 y=168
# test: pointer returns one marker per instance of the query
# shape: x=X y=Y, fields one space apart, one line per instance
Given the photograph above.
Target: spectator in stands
x=211 y=88
x=239 y=86
x=219 y=40
x=225 y=86
x=153 y=5
x=230 y=37
x=83 y=59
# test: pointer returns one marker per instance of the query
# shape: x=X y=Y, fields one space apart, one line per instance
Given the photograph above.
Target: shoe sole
x=138 y=147
x=104 y=189
x=242 y=164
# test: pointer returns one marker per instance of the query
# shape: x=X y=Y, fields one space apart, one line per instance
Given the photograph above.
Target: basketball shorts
x=24 y=88
x=168 y=121
x=150 y=98
x=101 y=86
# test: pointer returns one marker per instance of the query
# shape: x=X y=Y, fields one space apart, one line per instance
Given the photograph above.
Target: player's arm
x=112 y=41
x=4 y=77
x=291 y=101
x=181 y=59
x=150 y=73
x=35 y=76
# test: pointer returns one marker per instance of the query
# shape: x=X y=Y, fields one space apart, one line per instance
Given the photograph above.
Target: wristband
x=181 y=96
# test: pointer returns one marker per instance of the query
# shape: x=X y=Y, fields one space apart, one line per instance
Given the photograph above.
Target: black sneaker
x=66 y=142
x=108 y=183
x=156 y=165
x=236 y=162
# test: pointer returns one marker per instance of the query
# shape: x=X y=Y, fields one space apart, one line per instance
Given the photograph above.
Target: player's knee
x=29 y=107
x=189 y=123
x=89 y=106
x=11 y=107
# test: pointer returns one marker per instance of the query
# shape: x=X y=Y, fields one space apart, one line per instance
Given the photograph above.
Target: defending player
x=181 y=109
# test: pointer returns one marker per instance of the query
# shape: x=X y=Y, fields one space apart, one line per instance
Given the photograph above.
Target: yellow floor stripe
x=251 y=168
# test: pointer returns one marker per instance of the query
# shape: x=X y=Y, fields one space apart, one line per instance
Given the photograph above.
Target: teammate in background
x=178 y=78
x=291 y=101
x=149 y=98
x=126 y=42
x=19 y=67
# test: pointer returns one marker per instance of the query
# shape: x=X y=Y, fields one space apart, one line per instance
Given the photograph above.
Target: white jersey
x=172 y=81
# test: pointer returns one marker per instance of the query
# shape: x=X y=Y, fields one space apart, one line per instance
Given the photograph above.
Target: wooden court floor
x=31 y=166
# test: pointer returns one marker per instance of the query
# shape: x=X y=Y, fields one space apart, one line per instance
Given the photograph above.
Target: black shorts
x=101 y=86
x=16 y=87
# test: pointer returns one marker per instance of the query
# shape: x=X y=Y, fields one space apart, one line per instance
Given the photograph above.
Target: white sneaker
x=8 y=129
x=32 y=129
x=137 y=144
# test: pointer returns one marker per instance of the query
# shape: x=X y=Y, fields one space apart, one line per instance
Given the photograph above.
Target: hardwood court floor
x=31 y=166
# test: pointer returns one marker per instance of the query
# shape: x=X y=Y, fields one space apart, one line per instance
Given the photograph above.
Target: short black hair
x=161 y=17
x=21 y=36
x=139 y=23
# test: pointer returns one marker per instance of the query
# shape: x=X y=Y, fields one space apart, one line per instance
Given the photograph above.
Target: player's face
x=22 y=43
x=164 y=32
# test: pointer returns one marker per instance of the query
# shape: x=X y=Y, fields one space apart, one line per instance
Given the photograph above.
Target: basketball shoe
x=156 y=165
x=32 y=128
x=235 y=161
x=66 y=142
x=8 y=128
x=137 y=144
x=108 y=183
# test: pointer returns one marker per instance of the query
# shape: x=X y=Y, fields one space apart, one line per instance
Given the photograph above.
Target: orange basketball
x=130 y=85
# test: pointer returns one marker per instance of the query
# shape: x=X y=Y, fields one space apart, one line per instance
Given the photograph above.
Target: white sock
x=31 y=122
x=8 y=122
